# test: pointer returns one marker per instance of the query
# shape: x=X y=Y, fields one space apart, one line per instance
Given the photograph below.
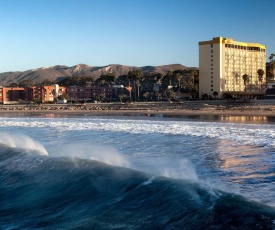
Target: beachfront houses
x=13 y=95
x=92 y=93
x=47 y=93
x=51 y=94
x=229 y=66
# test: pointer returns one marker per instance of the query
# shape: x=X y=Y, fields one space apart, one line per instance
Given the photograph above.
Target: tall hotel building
x=223 y=62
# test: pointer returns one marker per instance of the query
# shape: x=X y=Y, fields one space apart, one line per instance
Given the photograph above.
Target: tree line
x=137 y=85
x=153 y=85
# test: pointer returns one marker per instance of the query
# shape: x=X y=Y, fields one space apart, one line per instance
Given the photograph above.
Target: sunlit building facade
x=14 y=95
x=224 y=61
x=47 y=93
x=11 y=95
x=83 y=93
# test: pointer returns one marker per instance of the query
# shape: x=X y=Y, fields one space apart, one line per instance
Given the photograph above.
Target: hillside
x=58 y=72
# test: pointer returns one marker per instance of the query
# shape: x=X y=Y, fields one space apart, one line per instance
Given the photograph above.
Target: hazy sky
x=40 y=33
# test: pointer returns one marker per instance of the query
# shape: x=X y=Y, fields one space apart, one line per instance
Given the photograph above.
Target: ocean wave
x=43 y=192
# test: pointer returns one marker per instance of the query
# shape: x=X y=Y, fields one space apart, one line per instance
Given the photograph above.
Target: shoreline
x=145 y=112
x=220 y=108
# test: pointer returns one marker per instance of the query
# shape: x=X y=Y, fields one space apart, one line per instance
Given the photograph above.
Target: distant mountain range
x=59 y=72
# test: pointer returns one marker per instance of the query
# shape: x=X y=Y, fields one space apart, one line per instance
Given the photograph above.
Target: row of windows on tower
x=252 y=48
x=212 y=68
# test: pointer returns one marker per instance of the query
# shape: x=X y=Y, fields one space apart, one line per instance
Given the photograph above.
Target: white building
x=223 y=62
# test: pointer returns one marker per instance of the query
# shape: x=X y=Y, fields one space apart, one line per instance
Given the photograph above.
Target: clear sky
x=40 y=33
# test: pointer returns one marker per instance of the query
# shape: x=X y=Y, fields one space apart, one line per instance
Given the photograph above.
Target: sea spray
x=105 y=154
x=168 y=167
x=22 y=141
x=182 y=170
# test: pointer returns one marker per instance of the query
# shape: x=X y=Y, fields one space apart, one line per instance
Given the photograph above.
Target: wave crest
x=22 y=141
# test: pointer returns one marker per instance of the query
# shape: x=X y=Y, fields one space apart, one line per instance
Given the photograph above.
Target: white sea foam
x=248 y=134
x=22 y=141
x=149 y=181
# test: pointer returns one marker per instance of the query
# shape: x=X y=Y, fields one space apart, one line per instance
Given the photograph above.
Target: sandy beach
x=256 y=108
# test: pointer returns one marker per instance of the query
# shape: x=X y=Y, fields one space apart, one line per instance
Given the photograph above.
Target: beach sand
x=257 y=108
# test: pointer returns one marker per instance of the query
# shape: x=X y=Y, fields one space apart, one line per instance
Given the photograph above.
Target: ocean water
x=136 y=173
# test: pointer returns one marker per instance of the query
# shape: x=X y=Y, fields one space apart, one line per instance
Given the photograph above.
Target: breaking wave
x=43 y=192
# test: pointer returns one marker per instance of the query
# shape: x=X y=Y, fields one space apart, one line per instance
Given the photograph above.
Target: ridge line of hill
x=59 y=72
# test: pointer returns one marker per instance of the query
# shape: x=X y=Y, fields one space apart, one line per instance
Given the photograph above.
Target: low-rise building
x=12 y=95
x=48 y=93
x=34 y=93
x=51 y=92
x=82 y=93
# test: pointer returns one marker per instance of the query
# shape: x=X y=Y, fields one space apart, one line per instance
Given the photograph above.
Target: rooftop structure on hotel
x=222 y=64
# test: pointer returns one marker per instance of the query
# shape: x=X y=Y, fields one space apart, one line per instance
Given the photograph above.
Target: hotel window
x=211 y=45
x=211 y=51
x=211 y=60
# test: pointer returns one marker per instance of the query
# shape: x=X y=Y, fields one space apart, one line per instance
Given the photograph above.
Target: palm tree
x=215 y=94
x=271 y=67
x=271 y=57
x=178 y=77
x=169 y=76
x=138 y=77
x=129 y=77
x=135 y=76
x=245 y=80
x=193 y=73
x=260 y=73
